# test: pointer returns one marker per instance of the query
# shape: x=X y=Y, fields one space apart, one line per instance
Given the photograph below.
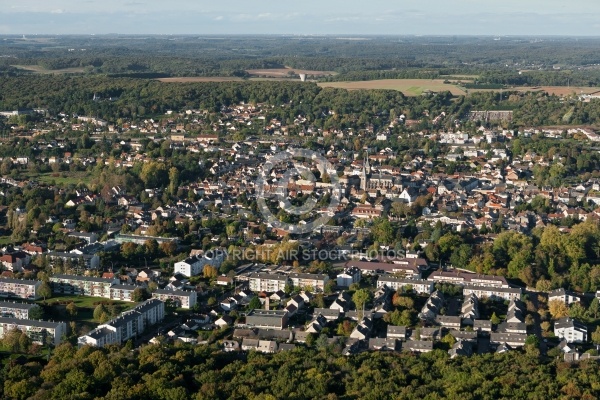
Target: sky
x=336 y=17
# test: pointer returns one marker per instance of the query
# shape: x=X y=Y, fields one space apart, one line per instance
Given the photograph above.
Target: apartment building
x=126 y=326
x=19 y=288
x=40 y=332
x=82 y=285
x=183 y=298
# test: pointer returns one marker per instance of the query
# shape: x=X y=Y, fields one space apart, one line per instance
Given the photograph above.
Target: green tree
x=361 y=297
x=254 y=303
x=71 y=309
x=494 y=319
x=139 y=294
x=45 y=290
x=596 y=335
x=594 y=308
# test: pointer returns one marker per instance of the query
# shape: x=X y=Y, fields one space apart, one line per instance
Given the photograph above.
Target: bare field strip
x=41 y=70
x=410 y=87
x=282 y=72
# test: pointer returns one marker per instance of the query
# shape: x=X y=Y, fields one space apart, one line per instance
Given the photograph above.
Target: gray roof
x=30 y=322
x=82 y=278
x=20 y=281
x=22 y=306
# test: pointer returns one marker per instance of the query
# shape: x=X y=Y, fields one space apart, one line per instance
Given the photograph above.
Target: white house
x=193 y=266
x=570 y=330
x=348 y=277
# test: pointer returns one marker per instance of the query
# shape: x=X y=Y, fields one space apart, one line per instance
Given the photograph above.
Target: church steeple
x=366 y=171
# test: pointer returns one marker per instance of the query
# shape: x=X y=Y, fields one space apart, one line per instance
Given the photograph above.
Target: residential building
x=399 y=283
x=40 y=332
x=82 y=261
x=570 y=330
x=511 y=339
x=492 y=292
x=82 y=285
x=19 y=288
x=563 y=295
x=193 y=266
x=348 y=277
x=122 y=292
x=182 y=298
x=311 y=282
x=269 y=319
x=465 y=278
x=10 y=309
x=259 y=282
x=126 y=326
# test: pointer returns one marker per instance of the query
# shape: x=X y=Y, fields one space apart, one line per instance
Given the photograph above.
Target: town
x=462 y=245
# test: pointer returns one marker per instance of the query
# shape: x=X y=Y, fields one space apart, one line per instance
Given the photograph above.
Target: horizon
x=310 y=17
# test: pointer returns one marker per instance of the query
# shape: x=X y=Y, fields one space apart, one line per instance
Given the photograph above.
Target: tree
x=173 y=180
x=71 y=309
x=99 y=311
x=594 y=308
x=402 y=301
x=254 y=303
x=210 y=271
x=361 y=297
x=139 y=294
x=596 y=335
x=449 y=339
x=558 y=309
x=494 y=319
x=45 y=290
x=36 y=312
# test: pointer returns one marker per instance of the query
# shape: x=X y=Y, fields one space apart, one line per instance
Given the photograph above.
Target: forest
x=203 y=372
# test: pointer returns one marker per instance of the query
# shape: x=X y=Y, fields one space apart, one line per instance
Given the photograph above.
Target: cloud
x=57 y=11
x=218 y=18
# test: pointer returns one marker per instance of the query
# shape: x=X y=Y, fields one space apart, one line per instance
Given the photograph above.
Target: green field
x=85 y=308
x=409 y=87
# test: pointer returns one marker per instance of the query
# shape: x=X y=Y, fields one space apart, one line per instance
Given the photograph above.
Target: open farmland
x=559 y=90
x=284 y=72
x=41 y=70
x=410 y=87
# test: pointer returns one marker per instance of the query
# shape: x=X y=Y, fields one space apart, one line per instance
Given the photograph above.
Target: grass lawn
x=69 y=178
x=5 y=240
x=85 y=307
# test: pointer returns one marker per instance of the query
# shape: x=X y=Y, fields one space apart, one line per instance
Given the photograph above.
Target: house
x=482 y=325
x=270 y=319
x=470 y=308
x=418 y=346
x=224 y=321
x=383 y=344
x=182 y=298
x=516 y=311
x=348 y=277
x=511 y=339
x=362 y=330
x=396 y=332
x=432 y=307
x=465 y=278
x=563 y=295
x=15 y=261
x=230 y=345
x=40 y=332
x=330 y=314
x=570 y=330
x=461 y=348
x=448 y=321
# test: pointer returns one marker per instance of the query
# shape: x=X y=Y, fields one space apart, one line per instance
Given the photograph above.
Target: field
x=284 y=72
x=41 y=70
x=410 y=87
x=559 y=90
